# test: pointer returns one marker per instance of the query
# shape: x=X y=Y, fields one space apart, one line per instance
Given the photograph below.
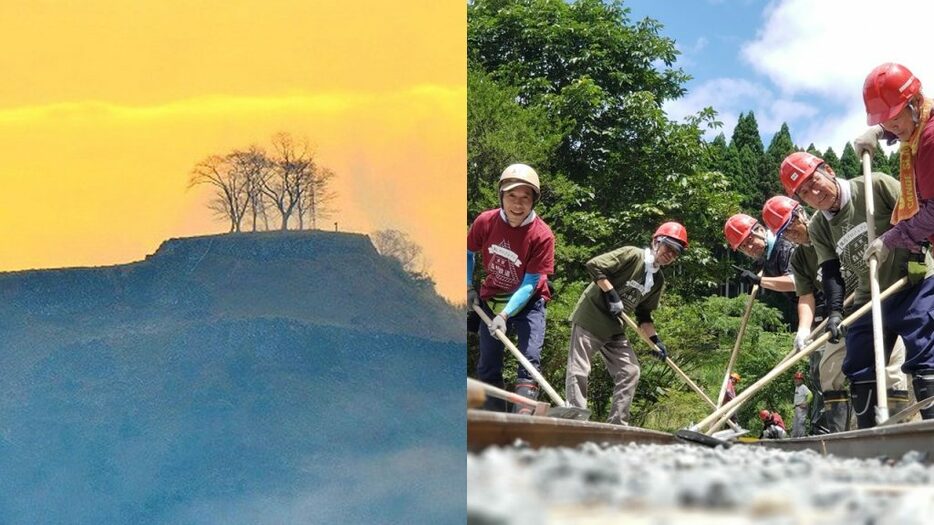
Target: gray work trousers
x=621 y=362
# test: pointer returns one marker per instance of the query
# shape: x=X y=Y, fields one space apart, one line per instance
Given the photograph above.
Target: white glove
x=868 y=140
x=497 y=323
x=878 y=249
x=801 y=340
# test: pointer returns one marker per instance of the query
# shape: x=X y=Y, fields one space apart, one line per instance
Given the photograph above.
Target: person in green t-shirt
x=628 y=279
x=839 y=234
x=786 y=218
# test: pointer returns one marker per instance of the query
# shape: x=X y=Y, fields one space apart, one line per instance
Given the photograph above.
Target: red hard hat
x=675 y=231
x=763 y=414
x=886 y=91
x=737 y=228
x=799 y=375
x=797 y=168
x=777 y=212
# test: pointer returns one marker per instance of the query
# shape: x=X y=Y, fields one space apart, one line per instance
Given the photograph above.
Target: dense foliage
x=576 y=90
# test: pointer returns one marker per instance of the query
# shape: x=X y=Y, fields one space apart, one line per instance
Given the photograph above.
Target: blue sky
x=797 y=61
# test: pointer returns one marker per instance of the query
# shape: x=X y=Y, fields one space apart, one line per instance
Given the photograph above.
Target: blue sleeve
x=470 y=265
x=522 y=295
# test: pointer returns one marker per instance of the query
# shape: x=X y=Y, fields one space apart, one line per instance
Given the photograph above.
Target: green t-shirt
x=625 y=269
x=807 y=273
x=804 y=267
x=844 y=236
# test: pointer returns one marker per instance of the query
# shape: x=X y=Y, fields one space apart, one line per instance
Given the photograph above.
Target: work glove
x=877 y=248
x=750 y=278
x=868 y=140
x=473 y=298
x=662 y=352
x=498 y=323
x=613 y=302
x=834 y=328
x=801 y=340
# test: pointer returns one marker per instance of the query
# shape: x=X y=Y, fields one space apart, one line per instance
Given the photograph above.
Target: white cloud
x=820 y=53
x=732 y=96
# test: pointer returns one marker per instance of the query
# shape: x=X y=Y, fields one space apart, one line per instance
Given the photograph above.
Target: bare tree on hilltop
x=250 y=183
x=398 y=245
x=254 y=165
x=230 y=197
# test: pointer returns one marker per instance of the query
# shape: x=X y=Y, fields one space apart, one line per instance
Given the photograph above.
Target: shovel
x=739 y=339
x=632 y=324
x=715 y=420
x=882 y=402
x=582 y=413
x=908 y=413
x=538 y=408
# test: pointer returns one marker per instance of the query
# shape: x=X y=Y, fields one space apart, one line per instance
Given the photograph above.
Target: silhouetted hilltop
x=324 y=278
x=244 y=378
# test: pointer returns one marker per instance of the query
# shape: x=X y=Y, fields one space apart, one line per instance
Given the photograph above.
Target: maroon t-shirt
x=509 y=253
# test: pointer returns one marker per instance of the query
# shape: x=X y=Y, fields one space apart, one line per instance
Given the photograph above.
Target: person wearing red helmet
x=787 y=218
x=773 y=254
x=802 y=403
x=627 y=279
x=518 y=251
x=838 y=232
x=773 y=427
x=897 y=109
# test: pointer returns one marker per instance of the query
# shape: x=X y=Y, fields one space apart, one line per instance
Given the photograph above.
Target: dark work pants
x=529 y=325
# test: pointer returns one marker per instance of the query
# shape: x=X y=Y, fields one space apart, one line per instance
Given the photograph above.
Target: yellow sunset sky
x=106 y=106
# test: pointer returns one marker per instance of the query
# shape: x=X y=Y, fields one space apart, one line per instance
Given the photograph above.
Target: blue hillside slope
x=144 y=394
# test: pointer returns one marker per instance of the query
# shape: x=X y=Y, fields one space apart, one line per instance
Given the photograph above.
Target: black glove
x=662 y=353
x=473 y=298
x=613 y=302
x=833 y=326
x=750 y=278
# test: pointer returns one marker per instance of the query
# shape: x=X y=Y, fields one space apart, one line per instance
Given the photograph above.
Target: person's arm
x=834 y=287
x=783 y=283
x=521 y=296
x=909 y=233
x=806 y=307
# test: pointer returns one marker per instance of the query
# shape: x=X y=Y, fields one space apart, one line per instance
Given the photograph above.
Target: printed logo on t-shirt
x=850 y=249
x=503 y=264
x=504 y=251
x=632 y=293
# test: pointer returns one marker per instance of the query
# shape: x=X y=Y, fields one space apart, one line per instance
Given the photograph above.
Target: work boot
x=898 y=401
x=923 y=383
x=494 y=404
x=836 y=410
x=526 y=388
x=863 y=397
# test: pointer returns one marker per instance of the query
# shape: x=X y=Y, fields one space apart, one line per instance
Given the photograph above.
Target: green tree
x=779 y=148
x=746 y=133
x=601 y=80
x=500 y=132
x=849 y=163
x=715 y=154
x=830 y=157
x=880 y=161
x=894 y=163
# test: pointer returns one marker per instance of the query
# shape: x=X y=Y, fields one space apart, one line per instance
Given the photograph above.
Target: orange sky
x=105 y=107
